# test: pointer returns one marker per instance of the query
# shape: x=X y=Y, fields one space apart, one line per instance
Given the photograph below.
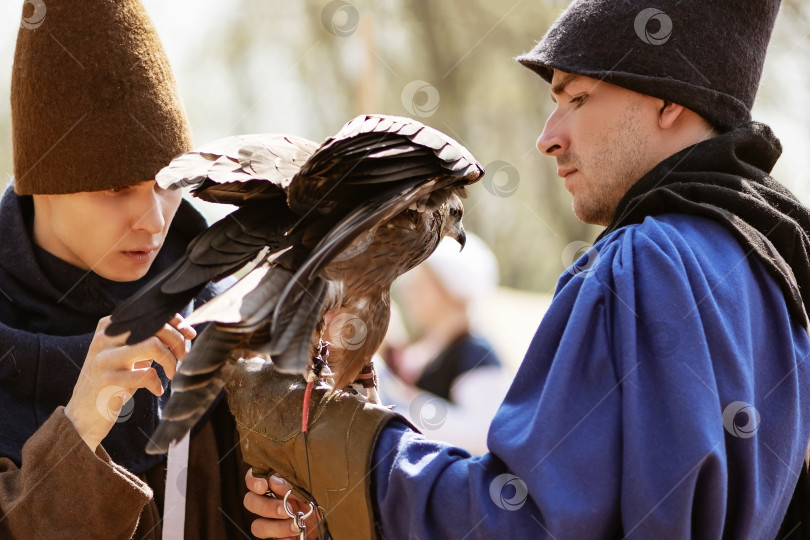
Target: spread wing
x=238 y=169
x=378 y=166
x=308 y=220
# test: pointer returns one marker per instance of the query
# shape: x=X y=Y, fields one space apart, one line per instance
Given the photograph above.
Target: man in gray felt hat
x=666 y=392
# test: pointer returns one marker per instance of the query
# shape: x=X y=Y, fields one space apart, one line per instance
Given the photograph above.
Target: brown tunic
x=63 y=490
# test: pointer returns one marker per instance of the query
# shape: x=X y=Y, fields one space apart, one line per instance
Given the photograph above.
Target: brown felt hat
x=94 y=104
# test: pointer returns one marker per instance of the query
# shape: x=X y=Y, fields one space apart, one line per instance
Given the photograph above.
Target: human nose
x=553 y=140
x=150 y=214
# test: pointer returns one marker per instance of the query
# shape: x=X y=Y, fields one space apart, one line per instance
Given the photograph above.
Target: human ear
x=669 y=113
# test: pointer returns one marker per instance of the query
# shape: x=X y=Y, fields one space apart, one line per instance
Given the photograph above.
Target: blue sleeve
x=665 y=395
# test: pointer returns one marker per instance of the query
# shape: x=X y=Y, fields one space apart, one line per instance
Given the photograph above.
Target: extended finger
x=173 y=340
x=103 y=323
x=184 y=328
x=102 y=338
x=145 y=378
x=154 y=349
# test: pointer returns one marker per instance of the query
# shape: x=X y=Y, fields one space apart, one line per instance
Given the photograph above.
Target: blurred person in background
x=448 y=380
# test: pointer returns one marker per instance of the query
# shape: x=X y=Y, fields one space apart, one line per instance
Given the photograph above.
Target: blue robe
x=665 y=395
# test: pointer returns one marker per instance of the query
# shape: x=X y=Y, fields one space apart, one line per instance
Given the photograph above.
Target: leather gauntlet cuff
x=331 y=464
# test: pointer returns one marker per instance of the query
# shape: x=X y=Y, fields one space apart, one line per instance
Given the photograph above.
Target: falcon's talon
x=320 y=365
x=367 y=377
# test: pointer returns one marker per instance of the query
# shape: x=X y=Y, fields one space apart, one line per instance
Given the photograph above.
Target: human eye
x=579 y=100
x=118 y=189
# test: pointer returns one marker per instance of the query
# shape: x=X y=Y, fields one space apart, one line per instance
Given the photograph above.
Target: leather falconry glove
x=329 y=464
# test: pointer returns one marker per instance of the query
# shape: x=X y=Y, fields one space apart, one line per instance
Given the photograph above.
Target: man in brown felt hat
x=95 y=116
x=666 y=392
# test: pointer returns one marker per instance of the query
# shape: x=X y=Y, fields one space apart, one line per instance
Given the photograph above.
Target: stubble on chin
x=620 y=160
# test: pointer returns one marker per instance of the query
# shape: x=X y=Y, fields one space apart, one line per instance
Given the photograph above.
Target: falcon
x=319 y=235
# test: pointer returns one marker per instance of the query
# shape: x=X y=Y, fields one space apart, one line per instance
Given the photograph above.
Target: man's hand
x=113 y=371
x=274 y=521
x=334 y=457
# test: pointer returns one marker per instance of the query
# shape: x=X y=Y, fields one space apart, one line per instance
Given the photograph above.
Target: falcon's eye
x=456 y=211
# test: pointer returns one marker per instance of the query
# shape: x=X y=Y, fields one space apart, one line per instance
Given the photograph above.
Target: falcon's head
x=450 y=214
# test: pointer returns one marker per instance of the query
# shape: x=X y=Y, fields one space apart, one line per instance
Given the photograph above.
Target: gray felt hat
x=706 y=56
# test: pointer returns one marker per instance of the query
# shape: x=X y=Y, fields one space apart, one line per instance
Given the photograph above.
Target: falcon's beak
x=453 y=226
x=461 y=237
